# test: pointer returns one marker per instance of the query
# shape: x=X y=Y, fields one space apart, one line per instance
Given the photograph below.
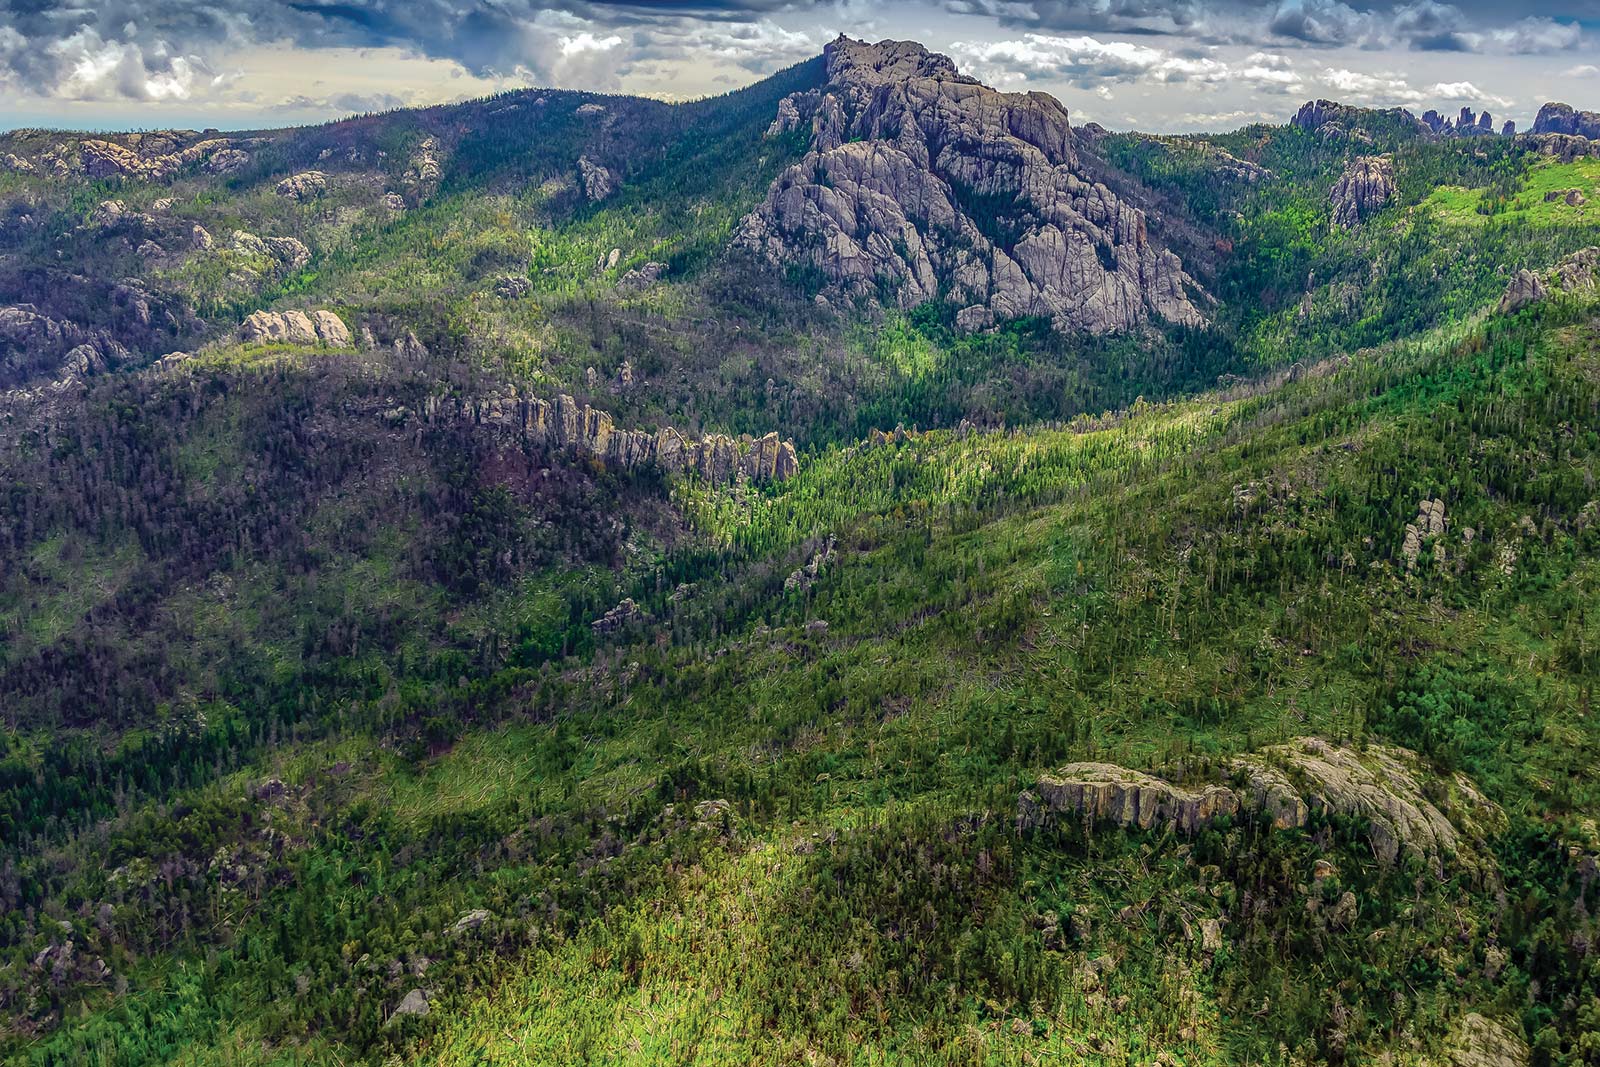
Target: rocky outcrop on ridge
x=295 y=328
x=718 y=458
x=1577 y=273
x=1366 y=185
x=1285 y=785
x=157 y=156
x=925 y=181
x=1562 y=118
x=307 y=185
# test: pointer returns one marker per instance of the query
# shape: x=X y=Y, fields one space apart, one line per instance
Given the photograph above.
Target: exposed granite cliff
x=589 y=431
x=1285 y=786
x=1366 y=185
x=925 y=181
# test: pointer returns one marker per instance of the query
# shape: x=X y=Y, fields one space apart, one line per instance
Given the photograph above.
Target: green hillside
x=342 y=724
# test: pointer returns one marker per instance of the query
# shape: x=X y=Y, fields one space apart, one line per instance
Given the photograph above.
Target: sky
x=1157 y=65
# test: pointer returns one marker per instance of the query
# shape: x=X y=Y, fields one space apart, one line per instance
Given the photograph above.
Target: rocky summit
x=928 y=183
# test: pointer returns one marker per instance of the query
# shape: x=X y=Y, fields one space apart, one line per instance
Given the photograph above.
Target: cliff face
x=923 y=180
x=589 y=431
x=1562 y=118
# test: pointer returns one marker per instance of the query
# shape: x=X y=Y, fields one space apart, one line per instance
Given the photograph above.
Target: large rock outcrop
x=1285 y=785
x=1578 y=273
x=718 y=458
x=927 y=183
x=158 y=156
x=1366 y=185
x=295 y=328
x=1562 y=118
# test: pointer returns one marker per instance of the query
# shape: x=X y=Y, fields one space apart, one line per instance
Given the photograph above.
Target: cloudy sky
x=1150 y=64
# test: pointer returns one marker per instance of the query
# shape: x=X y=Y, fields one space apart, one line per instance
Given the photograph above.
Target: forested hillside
x=486 y=585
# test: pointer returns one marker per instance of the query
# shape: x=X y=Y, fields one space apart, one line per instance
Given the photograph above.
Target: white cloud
x=1582 y=70
x=1088 y=63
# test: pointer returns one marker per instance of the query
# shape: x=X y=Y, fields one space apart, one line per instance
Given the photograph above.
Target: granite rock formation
x=1562 y=118
x=1576 y=273
x=1366 y=185
x=1286 y=786
x=588 y=431
x=924 y=182
x=295 y=328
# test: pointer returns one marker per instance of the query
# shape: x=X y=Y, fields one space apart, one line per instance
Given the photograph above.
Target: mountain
x=566 y=578
x=945 y=189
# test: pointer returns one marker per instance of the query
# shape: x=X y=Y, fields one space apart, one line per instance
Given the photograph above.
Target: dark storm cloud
x=164 y=49
x=1426 y=25
x=148 y=49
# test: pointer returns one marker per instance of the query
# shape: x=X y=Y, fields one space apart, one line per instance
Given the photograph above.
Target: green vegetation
x=313 y=706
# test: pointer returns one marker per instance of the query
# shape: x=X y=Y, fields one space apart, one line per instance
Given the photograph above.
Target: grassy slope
x=1181 y=582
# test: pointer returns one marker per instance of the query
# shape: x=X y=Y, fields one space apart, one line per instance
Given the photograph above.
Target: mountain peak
x=933 y=186
x=863 y=63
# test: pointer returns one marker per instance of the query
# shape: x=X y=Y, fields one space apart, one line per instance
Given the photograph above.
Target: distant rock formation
x=1285 y=785
x=307 y=185
x=1562 y=118
x=1577 y=273
x=1366 y=185
x=598 y=181
x=589 y=431
x=939 y=188
x=295 y=328
x=1317 y=115
x=154 y=156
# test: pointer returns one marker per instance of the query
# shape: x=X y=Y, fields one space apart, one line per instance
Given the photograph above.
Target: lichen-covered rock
x=1105 y=792
x=512 y=286
x=943 y=188
x=1366 y=185
x=290 y=253
x=307 y=185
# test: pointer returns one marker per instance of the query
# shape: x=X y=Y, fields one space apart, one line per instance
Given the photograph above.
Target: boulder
x=413 y=1003
x=470 y=921
x=1570 y=197
x=1366 y=185
x=199 y=239
x=512 y=286
x=1577 y=273
x=945 y=189
x=642 y=277
x=290 y=253
x=624 y=615
x=331 y=329
x=307 y=185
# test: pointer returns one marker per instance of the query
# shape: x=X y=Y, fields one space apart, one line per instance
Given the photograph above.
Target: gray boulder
x=307 y=185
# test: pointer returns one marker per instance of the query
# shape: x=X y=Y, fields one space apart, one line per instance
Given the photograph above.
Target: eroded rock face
x=157 y=157
x=589 y=431
x=295 y=328
x=598 y=181
x=1366 y=185
x=1284 y=785
x=1562 y=118
x=942 y=188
